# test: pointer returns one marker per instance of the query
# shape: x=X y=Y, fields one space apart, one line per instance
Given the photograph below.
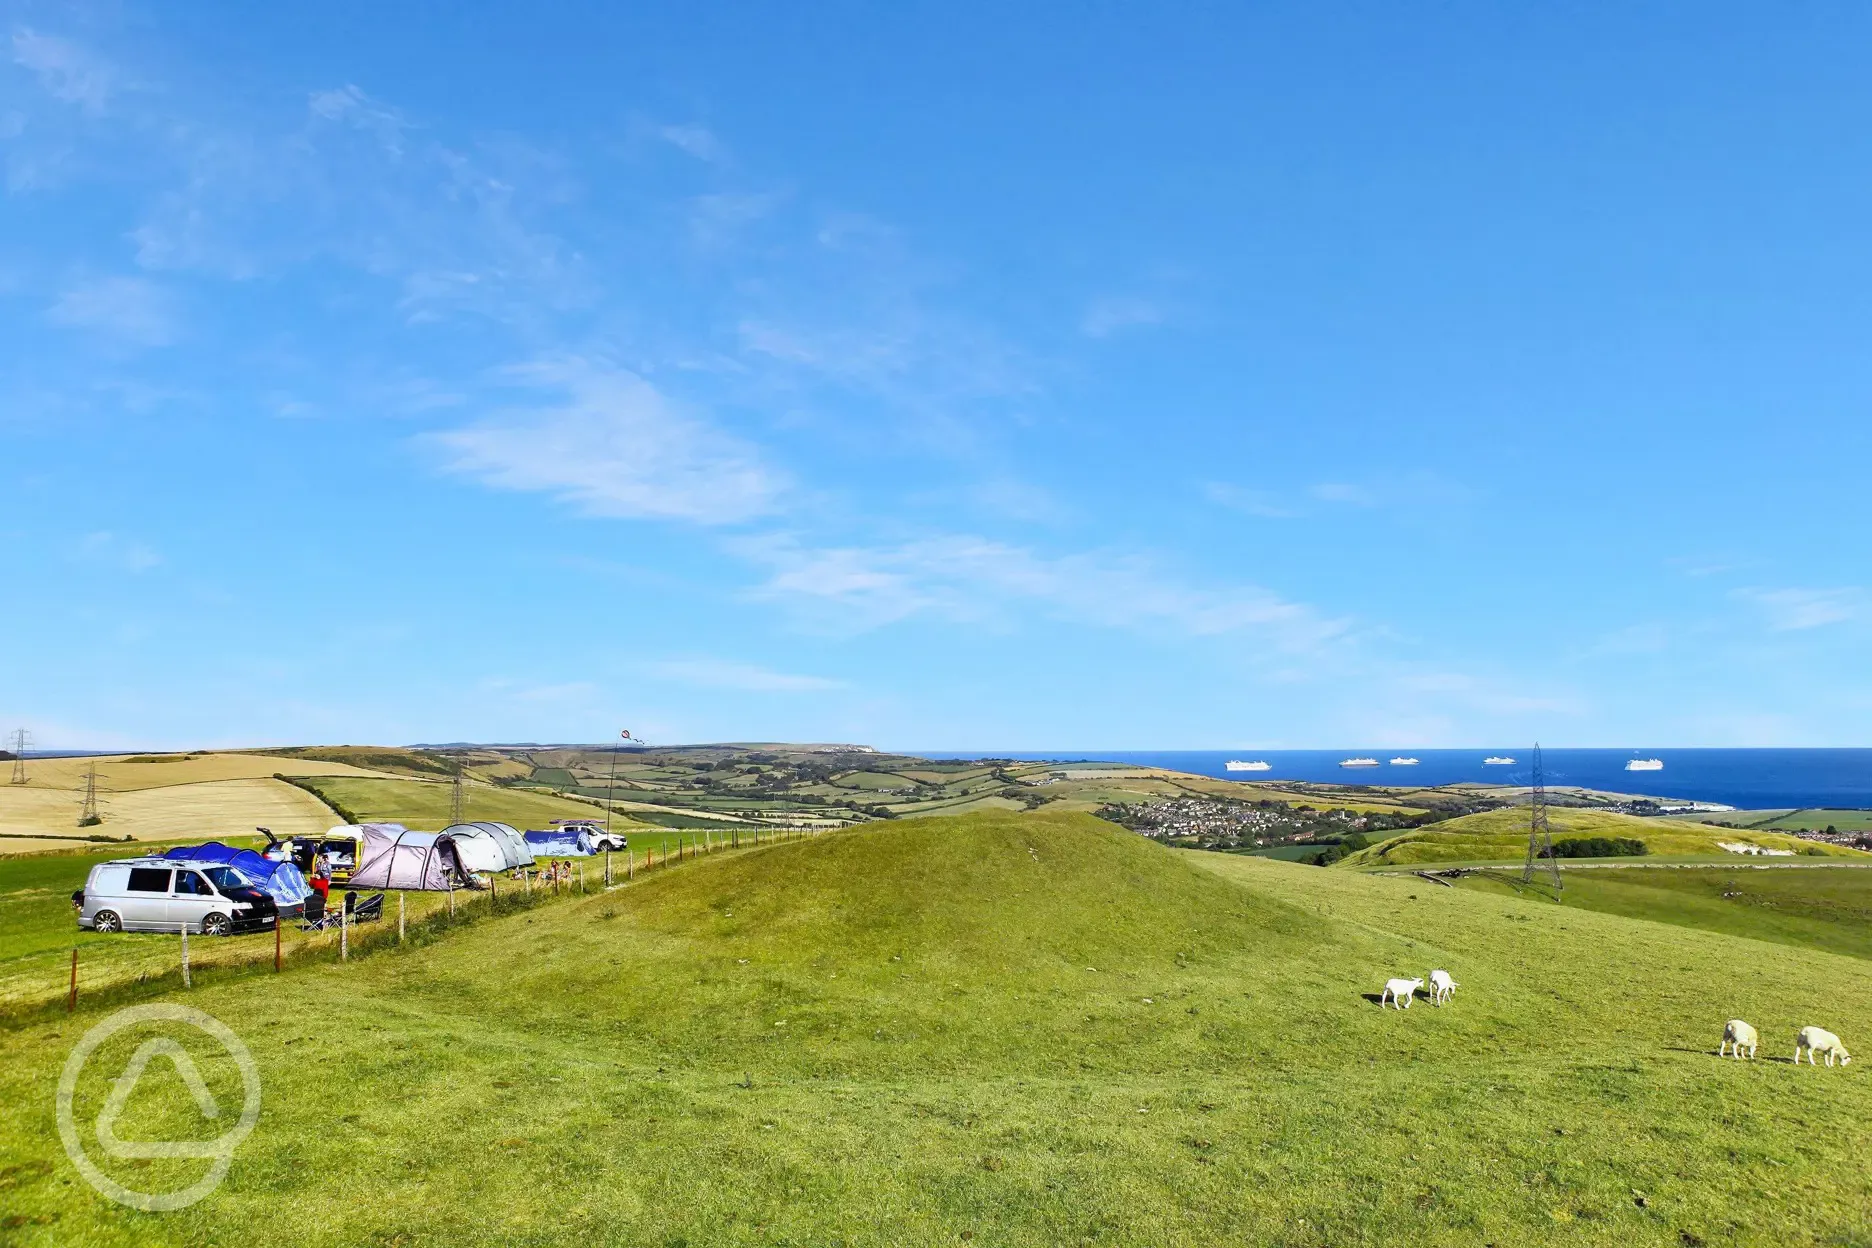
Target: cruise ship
x=1236 y=764
x=1645 y=764
x=1403 y=762
x=1358 y=762
x=1496 y=760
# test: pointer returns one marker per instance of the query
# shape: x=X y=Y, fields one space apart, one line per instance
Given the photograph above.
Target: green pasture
x=1814 y=818
x=1826 y=908
x=1502 y=835
x=39 y=929
x=1000 y=1029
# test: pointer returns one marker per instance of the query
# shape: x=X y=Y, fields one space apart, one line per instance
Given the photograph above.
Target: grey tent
x=488 y=846
x=394 y=857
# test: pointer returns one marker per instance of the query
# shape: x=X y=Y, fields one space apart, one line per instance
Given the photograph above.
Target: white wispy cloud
x=116 y=551
x=68 y=71
x=1248 y=502
x=1112 y=313
x=697 y=140
x=131 y=309
x=739 y=677
x=350 y=105
x=1795 y=610
x=972 y=578
x=613 y=445
x=1345 y=493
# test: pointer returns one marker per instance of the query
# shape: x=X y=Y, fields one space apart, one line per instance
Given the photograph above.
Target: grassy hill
x=1010 y=1030
x=1501 y=836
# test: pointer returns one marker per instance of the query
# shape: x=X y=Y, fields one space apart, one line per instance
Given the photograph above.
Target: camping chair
x=317 y=916
x=370 y=910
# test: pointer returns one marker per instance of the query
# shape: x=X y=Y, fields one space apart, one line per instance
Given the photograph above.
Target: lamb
x=1812 y=1040
x=1400 y=991
x=1441 y=987
x=1739 y=1035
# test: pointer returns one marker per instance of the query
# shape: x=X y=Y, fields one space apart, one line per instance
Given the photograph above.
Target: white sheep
x=1812 y=1040
x=1441 y=987
x=1400 y=991
x=1739 y=1035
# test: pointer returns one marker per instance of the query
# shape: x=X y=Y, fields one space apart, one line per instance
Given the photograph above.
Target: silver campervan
x=163 y=895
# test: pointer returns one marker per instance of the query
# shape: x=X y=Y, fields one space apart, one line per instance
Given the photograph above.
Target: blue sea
x=1746 y=779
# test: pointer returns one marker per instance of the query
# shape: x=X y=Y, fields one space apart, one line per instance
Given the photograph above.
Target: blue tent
x=281 y=881
x=560 y=843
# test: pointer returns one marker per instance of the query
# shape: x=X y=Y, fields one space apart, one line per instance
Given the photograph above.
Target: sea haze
x=1747 y=779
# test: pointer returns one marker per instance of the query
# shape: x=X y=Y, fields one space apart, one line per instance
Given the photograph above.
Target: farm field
x=425 y=803
x=201 y=810
x=1815 y=818
x=1501 y=836
x=1006 y=1029
x=1821 y=907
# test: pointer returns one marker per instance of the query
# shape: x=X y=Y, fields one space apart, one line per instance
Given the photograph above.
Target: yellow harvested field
x=205 y=811
x=121 y=774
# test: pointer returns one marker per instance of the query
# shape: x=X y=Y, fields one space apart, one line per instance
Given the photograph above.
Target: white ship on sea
x=1496 y=760
x=1645 y=764
x=1236 y=764
x=1403 y=762
x=1358 y=762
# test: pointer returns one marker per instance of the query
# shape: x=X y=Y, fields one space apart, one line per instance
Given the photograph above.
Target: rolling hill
x=1014 y=1030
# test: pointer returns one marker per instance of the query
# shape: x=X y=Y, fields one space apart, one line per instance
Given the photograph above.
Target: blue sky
x=935 y=376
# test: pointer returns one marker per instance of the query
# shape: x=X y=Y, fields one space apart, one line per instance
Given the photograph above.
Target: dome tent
x=281 y=881
x=394 y=857
x=488 y=846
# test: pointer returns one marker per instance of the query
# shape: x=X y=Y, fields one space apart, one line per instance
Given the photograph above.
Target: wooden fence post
x=581 y=877
x=630 y=864
x=399 y=917
x=344 y=933
x=607 y=876
x=71 y=1001
x=186 y=983
x=279 y=940
x=451 y=893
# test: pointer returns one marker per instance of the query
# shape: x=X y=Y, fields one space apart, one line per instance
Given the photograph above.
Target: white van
x=163 y=895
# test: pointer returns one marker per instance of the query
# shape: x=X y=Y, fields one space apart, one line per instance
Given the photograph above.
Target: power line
x=21 y=739
x=1539 y=838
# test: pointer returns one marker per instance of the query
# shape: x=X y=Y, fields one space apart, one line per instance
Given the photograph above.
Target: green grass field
x=1007 y=1030
x=1823 y=907
x=1815 y=818
x=1502 y=835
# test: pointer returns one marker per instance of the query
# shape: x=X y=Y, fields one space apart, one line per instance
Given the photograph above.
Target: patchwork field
x=1003 y=1029
x=425 y=803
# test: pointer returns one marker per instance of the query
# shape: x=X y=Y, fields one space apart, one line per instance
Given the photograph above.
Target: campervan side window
x=149 y=879
x=188 y=882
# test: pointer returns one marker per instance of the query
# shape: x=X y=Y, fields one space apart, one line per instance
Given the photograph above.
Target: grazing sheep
x=1400 y=991
x=1812 y=1040
x=1442 y=987
x=1740 y=1035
